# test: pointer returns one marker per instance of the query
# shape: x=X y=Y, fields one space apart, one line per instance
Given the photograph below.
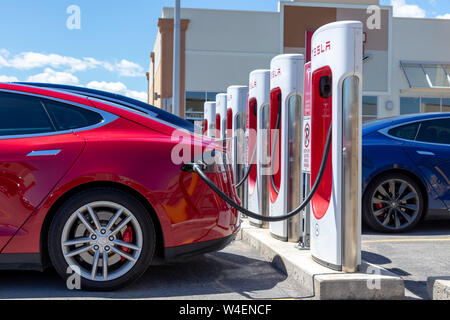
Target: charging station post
x=209 y=119
x=257 y=129
x=236 y=121
x=286 y=105
x=221 y=115
x=336 y=65
x=336 y=144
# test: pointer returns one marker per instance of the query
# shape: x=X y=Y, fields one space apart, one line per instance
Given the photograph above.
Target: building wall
x=224 y=46
x=415 y=40
x=161 y=65
x=299 y=17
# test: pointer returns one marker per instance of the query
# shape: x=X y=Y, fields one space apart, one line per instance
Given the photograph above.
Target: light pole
x=176 y=61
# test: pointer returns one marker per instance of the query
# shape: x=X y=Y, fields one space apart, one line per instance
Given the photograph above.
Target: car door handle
x=44 y=153
x=425 y=153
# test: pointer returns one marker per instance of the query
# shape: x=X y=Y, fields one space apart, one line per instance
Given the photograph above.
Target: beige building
x=406 y=66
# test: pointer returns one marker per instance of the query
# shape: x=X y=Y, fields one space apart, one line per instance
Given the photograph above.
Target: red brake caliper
x=379 y=206
x=127 y=237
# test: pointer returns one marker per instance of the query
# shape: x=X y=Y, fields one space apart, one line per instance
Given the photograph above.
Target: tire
x=393 y=212
x=123 y=234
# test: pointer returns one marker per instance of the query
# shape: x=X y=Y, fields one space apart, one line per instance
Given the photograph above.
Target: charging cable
x=197 y=167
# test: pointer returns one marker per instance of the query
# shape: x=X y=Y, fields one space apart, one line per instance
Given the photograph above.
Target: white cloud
x=401 y=9
x=4 y=78
x=129 y=69
x=119 y=88
x=60 y=69
x=444 y=16
x=32 y=60
x=3 y=56
x=51 y=76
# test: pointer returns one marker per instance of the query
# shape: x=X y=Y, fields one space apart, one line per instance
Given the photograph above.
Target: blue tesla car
x=406 y=170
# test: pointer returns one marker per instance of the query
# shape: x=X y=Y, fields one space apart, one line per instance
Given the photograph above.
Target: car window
x=21 y=115
x=408 y=131
x=67 y=117
x=435 y=131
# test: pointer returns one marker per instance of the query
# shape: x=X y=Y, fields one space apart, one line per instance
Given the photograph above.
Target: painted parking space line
x=407 y=240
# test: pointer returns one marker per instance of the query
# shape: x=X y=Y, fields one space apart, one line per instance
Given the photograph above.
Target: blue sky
x=112 y=47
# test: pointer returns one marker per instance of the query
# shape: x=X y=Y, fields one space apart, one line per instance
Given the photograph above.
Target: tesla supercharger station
x=236 y=120
x=257 y=133
x=221 y=115
x=336 y=65
x=285 y=178
x=209 y=119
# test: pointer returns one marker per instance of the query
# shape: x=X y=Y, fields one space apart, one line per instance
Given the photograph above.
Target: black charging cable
x=237 y=185
x=197 y=167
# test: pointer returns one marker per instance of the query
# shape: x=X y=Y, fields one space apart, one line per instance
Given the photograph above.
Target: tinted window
x=407 y=132
x=68 y=117
x=435 y=131
x=409 y=105
x=20 y=114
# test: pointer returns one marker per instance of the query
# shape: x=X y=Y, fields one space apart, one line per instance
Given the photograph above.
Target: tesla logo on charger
x=321 y=48
x=275 y=73
x=253 y=85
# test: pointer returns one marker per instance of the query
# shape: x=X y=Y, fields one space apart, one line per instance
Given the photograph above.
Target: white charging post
x=236 y=121
x=209 y=119
x=221 y=116
x=257 y=133
x=336 y=99
x=285 y=180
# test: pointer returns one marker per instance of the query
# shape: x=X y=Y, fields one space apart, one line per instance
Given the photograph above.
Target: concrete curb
x=372 y=282
x=439 y=288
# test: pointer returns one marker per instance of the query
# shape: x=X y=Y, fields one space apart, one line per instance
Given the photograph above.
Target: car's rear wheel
x=393 y=203
x=105 y=235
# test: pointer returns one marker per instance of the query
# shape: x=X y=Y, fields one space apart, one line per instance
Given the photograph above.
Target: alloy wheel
x=395 y=204
x=102 y=239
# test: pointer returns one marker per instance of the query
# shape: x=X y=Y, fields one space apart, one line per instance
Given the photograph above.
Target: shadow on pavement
x=374 y=258
x=215 y=273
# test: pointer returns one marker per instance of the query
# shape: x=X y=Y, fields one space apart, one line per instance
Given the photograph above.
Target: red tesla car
x=88 y=184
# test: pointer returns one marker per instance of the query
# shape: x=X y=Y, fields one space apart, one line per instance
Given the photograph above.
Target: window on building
x=445 y=105
x=430 y=105
x=369 y=108
x=423 y=104
x=426 y=75
x=409 y=105
x=437 y=75
x=195 y=104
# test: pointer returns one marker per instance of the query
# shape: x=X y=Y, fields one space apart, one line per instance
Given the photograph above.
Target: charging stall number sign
x=306 y=145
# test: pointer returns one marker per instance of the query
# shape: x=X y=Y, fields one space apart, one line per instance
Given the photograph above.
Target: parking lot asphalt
x=415 y=256
x=238 y=272
x=235 y=273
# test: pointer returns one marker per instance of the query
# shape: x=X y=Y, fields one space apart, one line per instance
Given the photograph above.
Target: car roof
x=393 y=121
x=117 y=99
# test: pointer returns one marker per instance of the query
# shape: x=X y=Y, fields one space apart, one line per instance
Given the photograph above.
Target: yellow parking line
x=407 y=240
